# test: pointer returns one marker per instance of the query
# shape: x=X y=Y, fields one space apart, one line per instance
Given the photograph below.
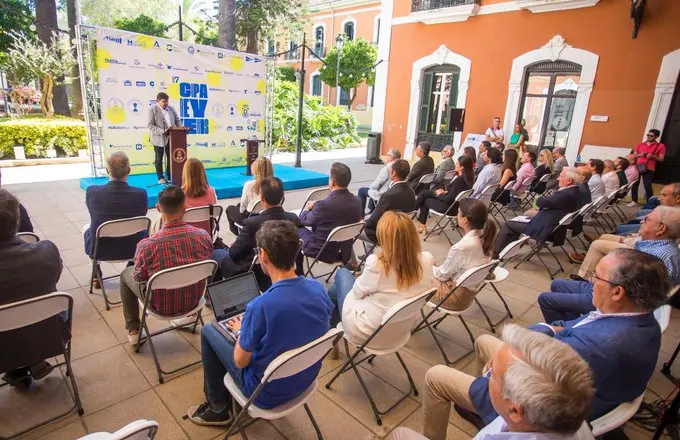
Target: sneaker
x=631 y=204
x=39 y=371
x=181 y=322
x=162 y=181
x=20 y=379
x=133 y=338
x=204 y=415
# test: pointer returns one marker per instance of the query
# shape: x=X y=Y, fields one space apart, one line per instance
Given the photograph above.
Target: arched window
x=548 y=99
x=316 y=85
x=319 y=40
x=439 y=93
x=293 y=54
x=348 y=29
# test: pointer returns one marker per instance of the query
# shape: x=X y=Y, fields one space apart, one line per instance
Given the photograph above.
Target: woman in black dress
x=508 y=173
x=545 y=164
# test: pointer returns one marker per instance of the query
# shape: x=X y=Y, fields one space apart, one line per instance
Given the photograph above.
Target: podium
x=178 y=153
x=252 y=151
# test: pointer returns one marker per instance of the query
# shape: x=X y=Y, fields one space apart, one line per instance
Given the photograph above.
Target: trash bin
x=373 y=148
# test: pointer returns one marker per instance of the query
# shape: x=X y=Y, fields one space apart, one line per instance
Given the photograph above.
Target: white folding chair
x=340 y=234
x=663 y=317
x=451 y=219
x=470 y=279
x=210 y=214
x=125 y=227
x=284 y=365
x=257 y=208
x=137 y=430
x=531 y=193
x=499 y=275
x=392 y=335
x=495 y=206
x=522 y=197
x=616 y=417
x=313 y=196
x=23 y=315
x=28 y=237
x=170 y=279
x=487 y=193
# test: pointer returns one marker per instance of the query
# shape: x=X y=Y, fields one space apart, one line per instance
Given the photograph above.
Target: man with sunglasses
x=568 y=299
x=647 y=154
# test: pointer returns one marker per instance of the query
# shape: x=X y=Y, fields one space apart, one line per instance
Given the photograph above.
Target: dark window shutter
x=425 y=100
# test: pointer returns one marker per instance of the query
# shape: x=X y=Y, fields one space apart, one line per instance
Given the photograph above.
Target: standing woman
x=517 y=139
x=508 y=173
x=474 y=249
x=545 y=166
x=262 y=169
x=441 y=199
x=195 y=185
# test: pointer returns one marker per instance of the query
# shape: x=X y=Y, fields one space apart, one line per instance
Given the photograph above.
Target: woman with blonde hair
x=545 y=166
x=398 y=271
x=195 y=185
x=474 y=249
x=250 y=195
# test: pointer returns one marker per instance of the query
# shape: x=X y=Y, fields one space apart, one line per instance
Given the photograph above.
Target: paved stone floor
x=118 y=386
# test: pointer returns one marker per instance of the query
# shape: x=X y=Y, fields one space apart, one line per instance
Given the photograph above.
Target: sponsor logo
x=137 y=127
x=117 y=127
x=213 y=71
x=218 y=109
x=258 y=60
x=239 y=128
x=232 y=109
x=179 y=156
x=127 y=83
x=152 y=83
x=136 y=62
x=140 y=83
x=134 y=106
x=113 y=61
x=218 y=144
x=111 y=80
x=230 y=128
x=256 y=115
x=175 y=79
x=234 y=91
x=191 y=50
x=220 y=55
x=245 y=91
x=158 y=66
x=134 y=43
x=257 y=92
x=118 y=40
x=197 y=69
x=215 y=89
x=162 y=83
x=120 y=146
x=139 y=147
x=201 y=144
x=246 y=111
x=169 y=47
x=256 y=75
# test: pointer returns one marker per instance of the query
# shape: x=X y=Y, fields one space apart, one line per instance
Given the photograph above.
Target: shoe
x=20 y=379
x=631 y=204
x=133 y=338
x=162 y=181
x=576 y=258
x=181 y=322
x=589 y=238
x=469 y=416
x=575 y=277
x=39 y=371
x=204 y=415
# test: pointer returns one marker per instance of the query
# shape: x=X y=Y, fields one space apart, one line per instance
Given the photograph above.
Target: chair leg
x=408 y=375
x=436 y=227
x=486 y=315
x=311 y=418
x=92 y=275
x=153 y=353
x=69 y=373
x=236 y=422
x=507 y=308
x=555 y=258
x=441 y=347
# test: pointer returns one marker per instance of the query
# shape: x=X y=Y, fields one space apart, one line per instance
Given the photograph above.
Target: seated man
x=621 y=164
x=610 y=178
x=620 y=341
x=551 y=210
x=27 y=270
x=669 y=196
x=400 y=197
x=559 y=164
x=491 y=172
x=479 y=163
x=380 y=185
x=444 y=166
x=176 y=244
x=292 y=312
x=540 y=389
x=424 y=165
x=113 y=201
x=569 y=299
x=595 y=183
x=237 y=258
x=340 y=208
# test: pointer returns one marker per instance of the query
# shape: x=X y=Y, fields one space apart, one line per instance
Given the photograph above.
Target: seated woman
x=262 y=169
x=470 y=152
x=545 y=166
x=441 y=199
x=195 y=185
x=397 y=272
x=508 y=173
x=474 y=249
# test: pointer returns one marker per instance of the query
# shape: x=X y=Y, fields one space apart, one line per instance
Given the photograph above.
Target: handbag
x=642 y=167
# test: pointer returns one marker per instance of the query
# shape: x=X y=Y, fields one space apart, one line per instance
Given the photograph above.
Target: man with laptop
x=291 y=313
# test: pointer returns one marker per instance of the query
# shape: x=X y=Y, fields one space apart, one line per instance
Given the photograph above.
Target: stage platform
x=228 y=182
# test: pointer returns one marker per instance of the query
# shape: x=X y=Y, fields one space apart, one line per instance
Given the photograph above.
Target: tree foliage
x=105 y=13
x=15 y=15
x=142 y=24
x=257 y=20
x=286 y=73
x=357 y=65
x=206 y=32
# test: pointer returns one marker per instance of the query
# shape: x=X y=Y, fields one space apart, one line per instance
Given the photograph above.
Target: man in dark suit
x=400 y=197
x=27 y=270
x=113 y=201
x=238 y=257
x=552 y=208
x=340 y=208
x=424 y=165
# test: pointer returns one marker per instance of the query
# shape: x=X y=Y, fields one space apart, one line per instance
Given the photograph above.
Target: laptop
x=229 y=299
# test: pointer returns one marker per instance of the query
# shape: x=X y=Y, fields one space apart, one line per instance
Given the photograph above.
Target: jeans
x=624 y=230
x=651 y=203
x=217 y=353
x=219 y=255
x=365 y=199
x=344 y=280
x=566 y=300
x=160 y=152
x=647 y=179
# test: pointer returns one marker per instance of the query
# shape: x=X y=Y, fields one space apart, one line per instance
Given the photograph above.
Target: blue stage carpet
x=228 y=182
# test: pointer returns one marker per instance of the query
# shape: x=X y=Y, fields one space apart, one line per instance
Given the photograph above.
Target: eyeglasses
x=650 y=135
x=594 y=277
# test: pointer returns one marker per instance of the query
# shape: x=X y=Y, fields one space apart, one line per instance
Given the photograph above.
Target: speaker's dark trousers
x=160 y=152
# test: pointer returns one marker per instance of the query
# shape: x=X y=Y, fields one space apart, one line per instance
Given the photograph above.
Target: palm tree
x=226 y=18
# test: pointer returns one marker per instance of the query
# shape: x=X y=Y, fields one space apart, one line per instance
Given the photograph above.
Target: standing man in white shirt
x=495 y=132
x=161 y=118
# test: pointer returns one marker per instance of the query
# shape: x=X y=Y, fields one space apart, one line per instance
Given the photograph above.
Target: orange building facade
x=570 y=68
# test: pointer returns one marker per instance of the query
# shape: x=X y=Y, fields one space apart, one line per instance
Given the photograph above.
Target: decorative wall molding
x=442 y=55
x=347 y=12
x=556 y=49
x=538 y=6
x=383 y=68
x=444 y=15
x=330 y=5
x=663 y=92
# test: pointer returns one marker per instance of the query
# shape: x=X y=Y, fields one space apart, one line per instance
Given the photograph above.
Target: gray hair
x=550 y=381
x=609 y=164
x=448 y=148
x=676 y=188
x=573 y=174
x=394 y=153
x=670 y=217
x=644 y=278
x=559 y=150
x=118 y=165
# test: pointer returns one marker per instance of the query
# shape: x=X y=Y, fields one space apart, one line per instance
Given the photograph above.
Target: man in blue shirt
x=291 y=313
x=669 y=196
x=569 y=299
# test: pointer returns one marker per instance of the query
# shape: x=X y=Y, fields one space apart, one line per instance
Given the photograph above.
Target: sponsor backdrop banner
x=218 y=93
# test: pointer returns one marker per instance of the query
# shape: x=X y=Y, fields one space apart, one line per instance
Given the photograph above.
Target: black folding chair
x=447 y=217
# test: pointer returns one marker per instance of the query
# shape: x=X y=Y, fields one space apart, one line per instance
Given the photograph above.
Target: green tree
x=286 y=73
x=104 y=13
x=142 y=24
x=206 y=32
x=257 y=20
x=49 y=33
x=226 y=19
x=15 y=15
x=357 y=65
x=73 y=16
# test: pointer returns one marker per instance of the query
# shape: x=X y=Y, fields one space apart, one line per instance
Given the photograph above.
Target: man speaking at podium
x=161 y=118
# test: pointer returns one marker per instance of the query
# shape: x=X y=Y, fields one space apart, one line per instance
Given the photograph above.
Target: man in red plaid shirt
x=176 y=244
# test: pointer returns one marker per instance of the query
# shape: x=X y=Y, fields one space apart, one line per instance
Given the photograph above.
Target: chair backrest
x=181 y=276
x=528 y=181
x=475 y=275
x=450 y=175
x=257 y=208
x=407 y=309
x=544 y=178
x=28 y=237
x=137 y=430
x=31 y=311
x=299 y=359
x=567 y=219
x=512 y=248
x=317 y=194
x=616 y=417
x=508 y=186
x=426 y=179
x=123 y=227
x=487 y=192
x=663 y=317
x=345 y=233
x=464 y=195
x=201 y=214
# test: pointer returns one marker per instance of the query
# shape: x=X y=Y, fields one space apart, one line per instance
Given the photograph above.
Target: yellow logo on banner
x=260 y=86
x=260 y=125
x=103 y=56
x=236 y=63
x=241 y=105
x=145 y=41
x=211 y=125
x=173 y=91
x=214 y=79
x=115 y=114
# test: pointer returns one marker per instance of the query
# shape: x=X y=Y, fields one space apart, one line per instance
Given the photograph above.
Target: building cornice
x=553 y=5
x=333 y=5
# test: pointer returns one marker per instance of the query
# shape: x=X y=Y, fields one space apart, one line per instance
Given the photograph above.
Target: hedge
x=37 y=135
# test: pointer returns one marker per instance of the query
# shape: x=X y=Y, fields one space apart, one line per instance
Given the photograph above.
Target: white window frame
x=314 y=28
x=350 y=20
x=376 y=29
x=663 y=92
x=311 y=84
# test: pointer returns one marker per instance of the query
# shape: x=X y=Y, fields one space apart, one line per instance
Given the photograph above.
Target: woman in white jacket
x=397 y=272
